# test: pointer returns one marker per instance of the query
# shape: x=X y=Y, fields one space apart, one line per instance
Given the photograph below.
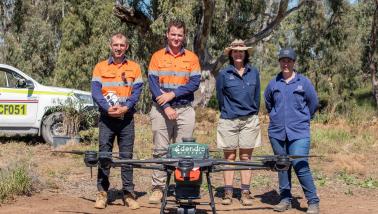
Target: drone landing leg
x=211 y=194
x=164 y=199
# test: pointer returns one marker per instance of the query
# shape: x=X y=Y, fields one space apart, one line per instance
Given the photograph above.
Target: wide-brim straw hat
x=238 y=44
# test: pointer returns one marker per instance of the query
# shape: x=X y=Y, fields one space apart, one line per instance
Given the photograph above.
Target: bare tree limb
x=282 y=13
x=131 y=16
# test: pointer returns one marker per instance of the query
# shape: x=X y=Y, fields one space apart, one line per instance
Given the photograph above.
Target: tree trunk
x=372 y=61
x=210 y=65
x=206 y=89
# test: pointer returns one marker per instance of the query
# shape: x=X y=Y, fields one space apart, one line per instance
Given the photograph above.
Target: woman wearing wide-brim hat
x=238 y=94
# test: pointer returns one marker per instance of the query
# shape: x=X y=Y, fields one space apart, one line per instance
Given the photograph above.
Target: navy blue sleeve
x=268 y=98
x=135 y=93
x=311 y=98
x=219 y=90
x=98 y=97
x=190 y=87
x=257 y=91
x=153 y=82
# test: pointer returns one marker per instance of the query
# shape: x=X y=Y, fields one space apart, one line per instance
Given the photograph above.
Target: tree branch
x=204 y=28
x=282 y=13
x=131 y=16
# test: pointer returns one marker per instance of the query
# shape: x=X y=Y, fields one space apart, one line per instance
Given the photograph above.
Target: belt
x=182 y=106
x=176 y=106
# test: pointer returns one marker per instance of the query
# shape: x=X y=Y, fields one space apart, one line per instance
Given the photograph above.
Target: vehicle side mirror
x=24 y=83
x=29 y=84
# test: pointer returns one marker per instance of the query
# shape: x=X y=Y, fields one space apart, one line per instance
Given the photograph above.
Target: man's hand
x=117 y=111
x=165 y=97
x=171 y=113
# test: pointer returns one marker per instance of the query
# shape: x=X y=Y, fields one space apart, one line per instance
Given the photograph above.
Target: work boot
x=101 y=200
x=156 y=196
x=227 y=198
x=282 y=206
x=246 y=198
x=130 y=201
x=313 y=208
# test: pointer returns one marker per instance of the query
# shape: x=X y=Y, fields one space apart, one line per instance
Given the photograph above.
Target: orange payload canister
x=194 y=174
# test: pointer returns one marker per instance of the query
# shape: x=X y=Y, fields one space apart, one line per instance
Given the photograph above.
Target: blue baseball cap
x=287 y=53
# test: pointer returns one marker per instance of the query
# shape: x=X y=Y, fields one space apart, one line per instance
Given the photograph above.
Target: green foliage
x=76 y=116
x=58 y=42
x=31 y=39
x=89 y=136
x=350 y=179
x=85 y=41
x=213 y=102
x=14 y=181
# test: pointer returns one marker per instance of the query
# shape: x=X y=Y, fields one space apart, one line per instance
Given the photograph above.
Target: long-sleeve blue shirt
x=238 y=95
x=291 y=106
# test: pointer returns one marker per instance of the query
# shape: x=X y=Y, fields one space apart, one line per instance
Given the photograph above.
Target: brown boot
x=246 y=198
x=101 y=200
x=227 y=198
x=313 y=208
x=156 y=196
x=282 y=206
x=131 y=202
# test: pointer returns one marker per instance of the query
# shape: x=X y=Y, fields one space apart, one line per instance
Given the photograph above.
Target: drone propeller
x=275 y=157
x=76 y=152
x=79 y=152
x=152 y=161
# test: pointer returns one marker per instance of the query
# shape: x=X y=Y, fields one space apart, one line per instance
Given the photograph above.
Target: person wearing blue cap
x=291 y=102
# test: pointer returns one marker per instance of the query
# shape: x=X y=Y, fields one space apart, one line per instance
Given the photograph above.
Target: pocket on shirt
x=108 y=74
x=231 y=84
x=184 y=67
x=128 y=76
x=299 y=99
x=164 y=64
x=277 y=97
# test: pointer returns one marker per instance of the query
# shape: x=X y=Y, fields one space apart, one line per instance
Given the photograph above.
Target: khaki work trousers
x=167 y=131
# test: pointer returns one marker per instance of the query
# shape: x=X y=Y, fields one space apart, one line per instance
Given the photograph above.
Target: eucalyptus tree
x=212 y=25
x=31 y=36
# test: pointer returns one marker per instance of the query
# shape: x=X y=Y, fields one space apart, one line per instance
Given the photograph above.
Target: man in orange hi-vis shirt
x=116 y=85
x=173 y=77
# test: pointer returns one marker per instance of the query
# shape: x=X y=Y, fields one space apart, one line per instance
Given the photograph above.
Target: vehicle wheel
x=52 y=125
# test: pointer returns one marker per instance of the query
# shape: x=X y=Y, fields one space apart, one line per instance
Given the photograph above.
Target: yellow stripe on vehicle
x=30 y=91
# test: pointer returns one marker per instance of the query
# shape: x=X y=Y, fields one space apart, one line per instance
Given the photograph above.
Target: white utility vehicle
x=25 y=105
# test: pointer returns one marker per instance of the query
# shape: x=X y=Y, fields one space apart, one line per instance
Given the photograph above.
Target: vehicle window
x=3 y=79
x=9 y=79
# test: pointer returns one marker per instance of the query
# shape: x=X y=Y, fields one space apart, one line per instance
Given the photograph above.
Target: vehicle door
x=18 y=104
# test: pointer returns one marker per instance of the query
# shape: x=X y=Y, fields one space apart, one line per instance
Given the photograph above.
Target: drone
x=188 y=162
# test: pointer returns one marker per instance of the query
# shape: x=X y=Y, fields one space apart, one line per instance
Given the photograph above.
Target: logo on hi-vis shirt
x=13 y=109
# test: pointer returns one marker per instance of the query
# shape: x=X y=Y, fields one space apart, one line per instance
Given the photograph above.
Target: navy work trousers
x=123 y=129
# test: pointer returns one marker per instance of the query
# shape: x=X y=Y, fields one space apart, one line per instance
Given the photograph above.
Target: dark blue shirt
x=291 y=106
x=238 y=95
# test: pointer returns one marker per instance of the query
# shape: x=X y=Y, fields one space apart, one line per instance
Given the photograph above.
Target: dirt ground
x=66 y=187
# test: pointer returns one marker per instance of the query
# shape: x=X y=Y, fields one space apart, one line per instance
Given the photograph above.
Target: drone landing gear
x=184 y=209
x=187 y=209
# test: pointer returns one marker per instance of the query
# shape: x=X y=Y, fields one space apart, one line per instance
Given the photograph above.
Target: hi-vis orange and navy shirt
x=125 y=80
x=180 y=74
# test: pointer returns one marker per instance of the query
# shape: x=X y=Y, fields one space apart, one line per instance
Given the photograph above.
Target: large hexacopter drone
x=188 y=162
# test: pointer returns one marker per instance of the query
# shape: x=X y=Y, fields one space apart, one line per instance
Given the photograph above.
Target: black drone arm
x=219 y=168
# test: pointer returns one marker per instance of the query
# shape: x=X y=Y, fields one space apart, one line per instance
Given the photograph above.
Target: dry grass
x=348 y=150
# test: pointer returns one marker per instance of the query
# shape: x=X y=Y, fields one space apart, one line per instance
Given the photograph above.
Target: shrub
x=14 y=181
